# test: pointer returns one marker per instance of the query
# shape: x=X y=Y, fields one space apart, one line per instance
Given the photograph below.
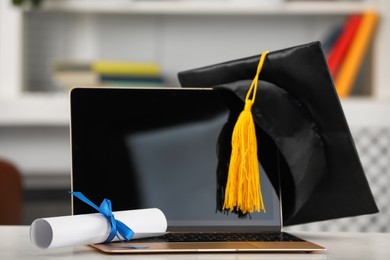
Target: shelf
x=206 y=8
x=50 y=110
x=367 y=112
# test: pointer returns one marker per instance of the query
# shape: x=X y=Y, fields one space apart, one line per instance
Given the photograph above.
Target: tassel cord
x=243 y=191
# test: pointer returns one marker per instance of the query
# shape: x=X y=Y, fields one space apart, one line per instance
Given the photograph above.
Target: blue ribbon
x=106 y=210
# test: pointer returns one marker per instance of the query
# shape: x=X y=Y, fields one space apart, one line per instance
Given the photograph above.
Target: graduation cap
x=302 y=134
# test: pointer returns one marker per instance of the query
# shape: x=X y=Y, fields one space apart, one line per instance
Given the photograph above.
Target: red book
x=342 y=44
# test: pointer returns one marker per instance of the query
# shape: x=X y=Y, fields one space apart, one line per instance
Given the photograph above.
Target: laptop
x=157 y=148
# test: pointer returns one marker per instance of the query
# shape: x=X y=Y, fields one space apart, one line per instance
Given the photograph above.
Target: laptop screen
x=144 y=148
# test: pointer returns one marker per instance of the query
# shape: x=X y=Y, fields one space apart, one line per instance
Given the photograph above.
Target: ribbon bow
x=106 y=210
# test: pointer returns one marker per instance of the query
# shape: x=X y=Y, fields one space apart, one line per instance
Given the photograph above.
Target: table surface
x=15 y=244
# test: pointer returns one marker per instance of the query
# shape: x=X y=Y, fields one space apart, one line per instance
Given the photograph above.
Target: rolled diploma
x=94 y=228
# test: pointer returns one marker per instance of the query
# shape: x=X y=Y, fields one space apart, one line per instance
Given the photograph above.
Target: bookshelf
x=81 y=20
x=207 y=7
x=177 y=34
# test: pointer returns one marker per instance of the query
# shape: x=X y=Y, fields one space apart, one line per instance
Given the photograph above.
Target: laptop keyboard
x=223 y=237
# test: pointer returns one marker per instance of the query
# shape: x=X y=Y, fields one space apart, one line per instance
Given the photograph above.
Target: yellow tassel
x=243 y=191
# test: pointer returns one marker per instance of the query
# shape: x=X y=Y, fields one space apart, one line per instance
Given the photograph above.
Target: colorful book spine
x=131 y=81
x=329 y=41
x=343 y=42
x=349 y=69
x=117 y=68
x=106 y=78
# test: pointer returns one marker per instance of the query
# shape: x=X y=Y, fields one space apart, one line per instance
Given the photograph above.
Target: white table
x=15 y=244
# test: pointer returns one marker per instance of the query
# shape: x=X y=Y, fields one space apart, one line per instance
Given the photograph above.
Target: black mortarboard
x=302 y=133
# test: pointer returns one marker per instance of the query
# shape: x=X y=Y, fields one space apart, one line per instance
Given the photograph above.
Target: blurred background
x=49 y=46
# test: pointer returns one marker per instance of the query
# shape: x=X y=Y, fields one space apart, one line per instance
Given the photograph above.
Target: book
x=349 y=69
x=330 y=38
x=105 y=78
x=71 y=65
x=343 y=42
x=126 y=68
x=70 y=79
x=67 y=74
x=130 y=81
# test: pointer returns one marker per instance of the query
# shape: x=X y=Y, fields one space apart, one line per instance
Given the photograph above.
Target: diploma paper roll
x=94 y=228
